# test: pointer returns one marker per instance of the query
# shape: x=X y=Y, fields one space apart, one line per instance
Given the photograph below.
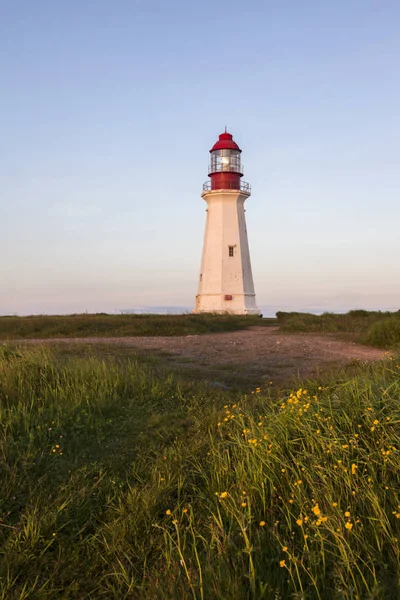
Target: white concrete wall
x=221 y=274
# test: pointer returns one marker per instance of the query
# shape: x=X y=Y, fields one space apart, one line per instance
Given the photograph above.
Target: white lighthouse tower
x=226 y=281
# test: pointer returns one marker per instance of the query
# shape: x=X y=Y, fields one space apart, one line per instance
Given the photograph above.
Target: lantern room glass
x=225 y=160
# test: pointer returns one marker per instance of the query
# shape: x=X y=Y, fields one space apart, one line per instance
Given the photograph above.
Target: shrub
x=385 y=334
x=358 y=322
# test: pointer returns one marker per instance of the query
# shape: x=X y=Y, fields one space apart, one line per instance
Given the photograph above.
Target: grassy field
x=380 y=329
x=119 y=480
x=103 y=325
x=375 y=328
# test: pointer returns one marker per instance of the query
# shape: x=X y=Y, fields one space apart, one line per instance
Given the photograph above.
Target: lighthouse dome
x=225 y=142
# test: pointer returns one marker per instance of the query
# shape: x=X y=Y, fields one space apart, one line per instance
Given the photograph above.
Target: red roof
x=225 y=142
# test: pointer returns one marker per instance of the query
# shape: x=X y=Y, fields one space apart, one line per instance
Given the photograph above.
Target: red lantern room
x=225 y=170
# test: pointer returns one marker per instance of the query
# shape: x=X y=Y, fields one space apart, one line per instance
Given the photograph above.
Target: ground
x=121 y=480
x=258 y=353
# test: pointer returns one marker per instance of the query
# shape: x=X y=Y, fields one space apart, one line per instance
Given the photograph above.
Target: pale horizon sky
x=108 y=111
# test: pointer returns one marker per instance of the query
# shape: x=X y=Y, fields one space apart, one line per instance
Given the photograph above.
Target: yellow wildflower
x=282 y=563
x=353 y=469
x=349 y=526
x=316 y=510
x=168 y=512
x=223 y=495
x=284 y=549
x=262 y=523
x=299 y=522
x=347 y=513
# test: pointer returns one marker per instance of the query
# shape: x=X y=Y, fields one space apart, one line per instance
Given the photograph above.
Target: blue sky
x=108 y=111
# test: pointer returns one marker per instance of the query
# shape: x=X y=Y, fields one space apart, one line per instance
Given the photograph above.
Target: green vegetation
x=371 y=327
x=375 y=328
x=385 y=334
x=103 y=325
x=119 y=480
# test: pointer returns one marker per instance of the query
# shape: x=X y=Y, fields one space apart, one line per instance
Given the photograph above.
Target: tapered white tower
x=226 y=281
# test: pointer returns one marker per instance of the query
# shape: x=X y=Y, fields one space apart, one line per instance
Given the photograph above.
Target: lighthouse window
x=230 y=250
x=225 y=160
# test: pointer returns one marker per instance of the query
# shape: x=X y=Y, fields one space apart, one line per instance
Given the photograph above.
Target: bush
x=385 y=334
x=358 y=312
x=289 y=316
x=359 y=322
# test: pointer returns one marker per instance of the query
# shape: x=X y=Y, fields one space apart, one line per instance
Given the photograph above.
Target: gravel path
x=264 y=349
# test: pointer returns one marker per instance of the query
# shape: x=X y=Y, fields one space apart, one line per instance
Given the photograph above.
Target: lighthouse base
x=225 y=279
x=238 y=304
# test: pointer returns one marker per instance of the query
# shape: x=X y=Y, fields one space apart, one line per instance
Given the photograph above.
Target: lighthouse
x=226 y=281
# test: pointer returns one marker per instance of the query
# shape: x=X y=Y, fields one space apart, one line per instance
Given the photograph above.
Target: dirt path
x=264 y=351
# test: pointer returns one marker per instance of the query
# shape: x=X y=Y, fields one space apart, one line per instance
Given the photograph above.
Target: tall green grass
x=385 y=334
x=103 y=325
x=119 y=481
x=372 y=327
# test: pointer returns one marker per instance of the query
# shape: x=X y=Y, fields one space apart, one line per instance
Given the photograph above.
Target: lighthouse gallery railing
x=244 y=186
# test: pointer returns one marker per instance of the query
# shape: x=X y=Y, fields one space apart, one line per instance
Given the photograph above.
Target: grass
x=385 y=333
x=375 y=328
x=119 y=480
x=103 y=325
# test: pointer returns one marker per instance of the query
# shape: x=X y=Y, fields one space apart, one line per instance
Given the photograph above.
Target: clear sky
x=108 y=110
